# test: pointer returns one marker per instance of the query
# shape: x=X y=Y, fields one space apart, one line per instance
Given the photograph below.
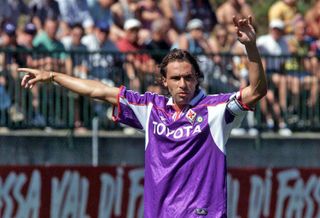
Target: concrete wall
x=62 y=147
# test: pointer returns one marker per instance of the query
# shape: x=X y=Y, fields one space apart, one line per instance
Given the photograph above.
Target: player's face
x=181 y=82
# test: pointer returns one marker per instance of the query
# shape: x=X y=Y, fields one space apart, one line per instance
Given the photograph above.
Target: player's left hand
x=245 y=31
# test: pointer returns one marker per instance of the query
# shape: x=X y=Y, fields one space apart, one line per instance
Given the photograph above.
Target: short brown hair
x=180 y=55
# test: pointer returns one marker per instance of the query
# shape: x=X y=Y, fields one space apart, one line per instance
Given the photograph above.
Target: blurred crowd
x=87 y=39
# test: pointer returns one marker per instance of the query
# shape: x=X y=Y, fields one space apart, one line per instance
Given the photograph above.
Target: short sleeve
x=133 y=109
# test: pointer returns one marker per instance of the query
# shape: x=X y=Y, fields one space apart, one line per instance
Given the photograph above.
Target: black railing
x=292 y=98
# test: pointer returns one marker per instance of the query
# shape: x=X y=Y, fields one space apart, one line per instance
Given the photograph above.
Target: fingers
x=31 y=82
x=242 y=22
x=26 y=70
x=235 y=22
x=30 y=77
x=250 y=19
x=24 y=80
x=27 y=82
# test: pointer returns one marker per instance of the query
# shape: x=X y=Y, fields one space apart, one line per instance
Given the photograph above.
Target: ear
x=164 y=82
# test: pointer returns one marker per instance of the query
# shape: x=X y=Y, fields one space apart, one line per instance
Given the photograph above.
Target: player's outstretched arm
x=91 y=88
x=257 y=87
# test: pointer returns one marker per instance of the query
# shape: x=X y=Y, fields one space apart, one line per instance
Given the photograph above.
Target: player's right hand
x=32 y=76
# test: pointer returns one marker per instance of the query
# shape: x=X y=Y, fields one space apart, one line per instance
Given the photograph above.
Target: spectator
x=274 y=45
x=99 y=42
x=77 y=62
x=41 y=10
x=123 y=10
x=78 y=65
x=300 y=69
x=74 y=12
x=178 y=12
x=137 y=65
x=230 y=8
x=11 y=10
x=219 y=40
x=101 y=12
x=5 y=99
x=30 y=59
x=11 y=58
x=9 y=78
x=285 y=10
x=223 y=74
x=47 y=42
x=195 y=42
x=104 y=65
x=27 y=36
x=159 y=41
x=312 y=18
x=203 y=10
x=148 y=11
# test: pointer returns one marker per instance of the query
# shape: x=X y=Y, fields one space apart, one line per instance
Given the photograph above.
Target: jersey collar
x=193 y=101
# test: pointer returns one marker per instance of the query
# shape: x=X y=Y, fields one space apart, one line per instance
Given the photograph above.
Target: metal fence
x=292 y=98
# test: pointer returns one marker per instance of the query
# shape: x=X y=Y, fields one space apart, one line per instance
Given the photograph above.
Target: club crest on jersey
x=191 y=116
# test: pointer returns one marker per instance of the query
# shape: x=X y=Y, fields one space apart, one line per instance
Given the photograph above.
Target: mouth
x=182 y=94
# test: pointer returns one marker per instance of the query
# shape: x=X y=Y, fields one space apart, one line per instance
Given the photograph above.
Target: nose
x=182 y=83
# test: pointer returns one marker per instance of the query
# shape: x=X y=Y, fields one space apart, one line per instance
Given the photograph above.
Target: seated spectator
x=285 y=10
x=101 y=61
x=195 y=42
x=202 y=9
x=178 y=12
x=51 y=56
x=272 y=46
x=47 y=42
x=123 y=10
x=315 y=52
x=230 y=8
x=223 y=74
x=77 y=65
x=10 y=79
x=312 y=18
x=101 y=12
x=104 y=64
x=159 y=42
x=147 y=12
x=300 y=70
x=137 y=66
x=10 y=11
x=77 y=62
x=29 y=58
x=26 y=37
x=74 y=12
x=5 y=100
x=41 y=10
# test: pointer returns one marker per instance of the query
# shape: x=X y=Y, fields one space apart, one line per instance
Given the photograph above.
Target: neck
x=179 y=108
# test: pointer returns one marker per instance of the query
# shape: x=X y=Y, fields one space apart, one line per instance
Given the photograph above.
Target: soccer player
x=185 y=134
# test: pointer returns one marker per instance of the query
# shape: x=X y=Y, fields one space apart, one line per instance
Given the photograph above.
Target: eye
x=189 y=78
x=176 y=78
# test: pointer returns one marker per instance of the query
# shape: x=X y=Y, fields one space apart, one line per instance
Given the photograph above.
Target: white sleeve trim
x=219 y=129
x=142 y=112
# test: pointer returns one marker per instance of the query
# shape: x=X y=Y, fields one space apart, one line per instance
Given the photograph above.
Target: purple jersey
x=185 y=160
